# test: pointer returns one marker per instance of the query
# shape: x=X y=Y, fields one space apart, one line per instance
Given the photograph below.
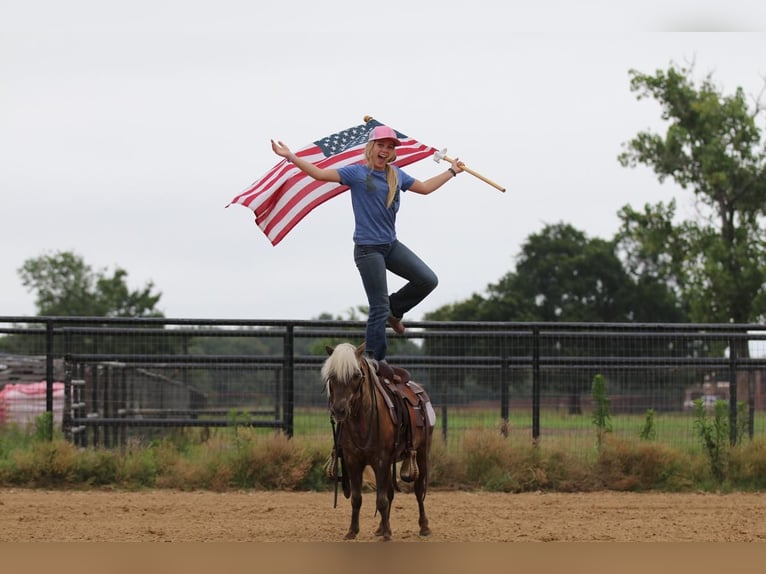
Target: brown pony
x=376 y=428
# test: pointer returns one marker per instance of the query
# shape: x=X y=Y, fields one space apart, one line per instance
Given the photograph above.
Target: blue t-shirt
x=374 y=223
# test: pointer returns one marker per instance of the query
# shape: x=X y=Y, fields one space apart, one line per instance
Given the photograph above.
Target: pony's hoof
x=425 y=532
x=350 y=536
x=383 y=534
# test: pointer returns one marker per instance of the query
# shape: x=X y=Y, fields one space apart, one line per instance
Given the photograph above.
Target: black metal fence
x=128 y=377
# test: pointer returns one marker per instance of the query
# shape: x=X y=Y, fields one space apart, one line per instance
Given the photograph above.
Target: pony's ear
x=360 y=349
x=329 y=349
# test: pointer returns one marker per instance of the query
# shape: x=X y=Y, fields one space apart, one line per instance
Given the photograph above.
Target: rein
x=337 y=427
x=359 y=395
x=338 y=458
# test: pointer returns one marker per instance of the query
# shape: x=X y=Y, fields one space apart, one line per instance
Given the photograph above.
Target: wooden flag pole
x=439 y=155
x=442 y=155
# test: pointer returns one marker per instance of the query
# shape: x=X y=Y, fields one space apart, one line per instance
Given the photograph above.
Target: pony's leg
x=421 y=485
x=384 y=497
x=355 y=480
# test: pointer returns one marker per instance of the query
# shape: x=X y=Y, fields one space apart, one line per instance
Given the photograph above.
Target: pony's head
x=343 y=376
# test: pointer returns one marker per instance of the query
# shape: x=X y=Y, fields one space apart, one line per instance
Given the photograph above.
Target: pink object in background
x=22 y=403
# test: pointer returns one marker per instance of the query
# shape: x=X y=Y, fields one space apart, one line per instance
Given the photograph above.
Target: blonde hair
x=391 y=179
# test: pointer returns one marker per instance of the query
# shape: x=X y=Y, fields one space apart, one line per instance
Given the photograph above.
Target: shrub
x=747 y=465
x=486 y=459
x=625 y=465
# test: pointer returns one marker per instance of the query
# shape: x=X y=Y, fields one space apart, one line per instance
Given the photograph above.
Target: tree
x=717 y=263
x=569 y=277
x=563 y=275
x=66 y=285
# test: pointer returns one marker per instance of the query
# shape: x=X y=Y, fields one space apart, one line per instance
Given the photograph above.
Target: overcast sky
x=127 y=127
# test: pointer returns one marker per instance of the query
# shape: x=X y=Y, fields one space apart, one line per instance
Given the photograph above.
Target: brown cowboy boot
x=409 y=471
x=396 y=324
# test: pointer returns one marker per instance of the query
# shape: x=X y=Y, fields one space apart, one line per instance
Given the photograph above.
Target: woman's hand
x=281 y=149
x=304 y=165
x=457 y=165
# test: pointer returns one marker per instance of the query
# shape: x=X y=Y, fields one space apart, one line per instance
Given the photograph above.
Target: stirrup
x=409 y=471
x=331 y=466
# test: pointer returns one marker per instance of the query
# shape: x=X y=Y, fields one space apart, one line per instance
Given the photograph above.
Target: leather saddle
x=405 y=398
x=393 y=374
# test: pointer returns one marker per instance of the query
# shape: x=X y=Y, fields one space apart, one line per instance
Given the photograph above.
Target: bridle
x=357 y=398
x=351 y=402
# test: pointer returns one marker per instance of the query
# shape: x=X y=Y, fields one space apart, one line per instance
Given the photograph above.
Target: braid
x=393 y=184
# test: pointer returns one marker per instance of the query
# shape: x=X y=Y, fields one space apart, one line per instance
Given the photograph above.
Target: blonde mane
x=342 y=365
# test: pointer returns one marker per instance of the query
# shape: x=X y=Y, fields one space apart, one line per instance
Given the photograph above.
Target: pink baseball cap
x=383 y=133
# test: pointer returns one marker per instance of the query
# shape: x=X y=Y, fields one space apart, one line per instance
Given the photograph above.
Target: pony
x=376 y=422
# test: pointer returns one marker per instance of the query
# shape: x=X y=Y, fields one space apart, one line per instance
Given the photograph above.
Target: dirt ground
x=171 y=516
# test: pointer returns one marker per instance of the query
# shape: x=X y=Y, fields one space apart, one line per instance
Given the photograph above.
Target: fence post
x=505 y=384
x=49 y=375
x=66 y=418
x=733 y=350
x=288 y=390
x=750 y=404
x=535 y=383
x=444 y=423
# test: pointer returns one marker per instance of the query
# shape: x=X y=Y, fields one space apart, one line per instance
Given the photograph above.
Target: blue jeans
x=372 y=261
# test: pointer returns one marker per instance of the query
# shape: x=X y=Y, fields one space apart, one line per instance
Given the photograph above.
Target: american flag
x=285 y=195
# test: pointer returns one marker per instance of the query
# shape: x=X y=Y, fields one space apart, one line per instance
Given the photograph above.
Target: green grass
x=674 y=429
x=480 y=453
x=559 y=429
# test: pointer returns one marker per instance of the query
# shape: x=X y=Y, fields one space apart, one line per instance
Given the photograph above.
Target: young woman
x=375 y=189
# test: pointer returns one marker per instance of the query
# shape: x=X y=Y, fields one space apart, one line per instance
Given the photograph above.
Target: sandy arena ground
x=171 y=516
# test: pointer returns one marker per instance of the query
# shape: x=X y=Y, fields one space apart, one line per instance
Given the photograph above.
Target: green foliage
x=12 y=438
x=59 y=463
x=742 y=423
x=488 y=461
x=562 y=275
x=747 y=465
x=602 y=418
x=715 y=264
x=493 y=462
x=713 y=433
x=44 y=427
x=623 y=465
x=241 y=458
x=648 y=430
x=446 y=468
x=137 y=466
x=65 y=285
